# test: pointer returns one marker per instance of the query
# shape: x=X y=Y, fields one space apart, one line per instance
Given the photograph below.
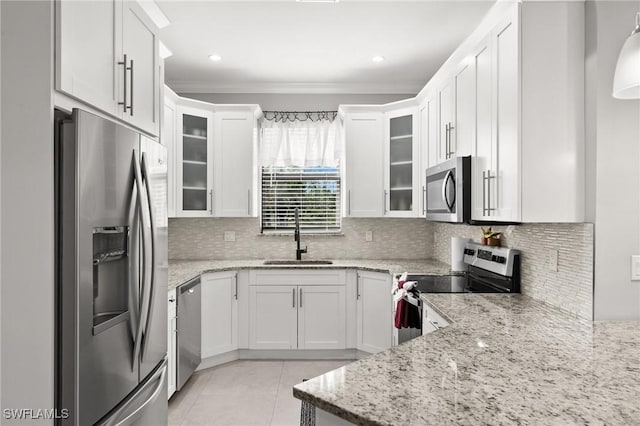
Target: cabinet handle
x=235 y=279
x=424 y=200
x=124 y=69
x=384 y=202
x=211 y=201
x=357 y=286
x=450 y=150
x=349 y=203
x=300 y=299
x=446 y=141
x=248 y=202
x=131 y=95
x=489 y=177
x=484 y=195
x=172 y=299
x=293 y=298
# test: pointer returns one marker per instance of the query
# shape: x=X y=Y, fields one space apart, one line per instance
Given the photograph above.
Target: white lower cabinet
x=297 y=317
x=172 y=343
x=273 y=317
x=219 y=313
x=321 y=317
x=375 y=309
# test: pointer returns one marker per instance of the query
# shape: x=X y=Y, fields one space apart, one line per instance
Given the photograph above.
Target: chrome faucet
x=296 y=236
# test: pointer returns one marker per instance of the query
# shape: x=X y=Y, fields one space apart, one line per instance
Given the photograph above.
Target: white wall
x=296 y=102
x=613 y=158
x=27 y=245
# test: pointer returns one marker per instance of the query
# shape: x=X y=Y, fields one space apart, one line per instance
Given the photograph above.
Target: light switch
x=552 y=260
x=635 y=268
x=229 y=236
x=368 y=236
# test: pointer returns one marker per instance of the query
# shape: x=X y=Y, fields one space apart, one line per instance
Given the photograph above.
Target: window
x=315 y=191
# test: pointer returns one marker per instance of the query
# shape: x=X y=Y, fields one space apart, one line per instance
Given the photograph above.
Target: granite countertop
x=505 y=359
x=181 y=271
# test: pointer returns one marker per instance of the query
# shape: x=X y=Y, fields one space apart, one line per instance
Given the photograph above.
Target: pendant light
x=626 y=82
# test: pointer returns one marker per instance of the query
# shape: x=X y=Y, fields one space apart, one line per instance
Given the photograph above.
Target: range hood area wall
x=203 y=238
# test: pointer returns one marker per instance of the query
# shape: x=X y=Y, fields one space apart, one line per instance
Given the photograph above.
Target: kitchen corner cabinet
x=172 y=343
x=235 y=134
x=402 y=157
x=374 y=310
x=219 y=313
x=194 y=162
x=107 y=56
x=364 y=146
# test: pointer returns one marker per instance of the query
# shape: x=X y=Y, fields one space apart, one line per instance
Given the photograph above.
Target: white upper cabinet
x=234 y=178
x=463 y=134
x=446 y=115
x=194 y=162
x=402 y=164
x=139 y=68
x=364 y=146
x=169 y=138
x=92 y=39
x=87 y=51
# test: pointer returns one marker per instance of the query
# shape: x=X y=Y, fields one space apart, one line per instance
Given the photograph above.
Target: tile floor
x=245 y=393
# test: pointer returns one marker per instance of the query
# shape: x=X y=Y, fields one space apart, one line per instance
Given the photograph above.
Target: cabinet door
x=423 y=117
x=87 y=51
x=194 y=163
x=171 y=343
x=401 y=172
x=234 y=167
x=140 y=44
x=483 y=145
x=364 y=147
x=321 y=317
x=463 y=134
x=433 y=142
x=168 y=139
x=505 y=194
x=219 y=313
x=375 y=307
x=273 y=317
x=445 y=116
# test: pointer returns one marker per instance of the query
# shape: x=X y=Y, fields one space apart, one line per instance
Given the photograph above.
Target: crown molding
x=409 y=88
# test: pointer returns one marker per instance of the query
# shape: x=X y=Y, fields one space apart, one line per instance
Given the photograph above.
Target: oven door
x=445 y=191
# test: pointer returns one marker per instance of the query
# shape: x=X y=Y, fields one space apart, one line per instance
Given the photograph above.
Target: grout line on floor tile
x=275 y=402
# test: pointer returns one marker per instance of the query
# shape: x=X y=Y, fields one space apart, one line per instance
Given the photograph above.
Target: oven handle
x=474 y=277
x=445 y=183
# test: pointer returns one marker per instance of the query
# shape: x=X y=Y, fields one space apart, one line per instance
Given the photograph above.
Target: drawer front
x=297 y=277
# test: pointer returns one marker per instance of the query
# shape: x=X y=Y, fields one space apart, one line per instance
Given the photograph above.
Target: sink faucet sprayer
x=296 y=236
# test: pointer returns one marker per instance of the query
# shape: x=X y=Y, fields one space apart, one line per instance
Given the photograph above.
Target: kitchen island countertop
x=505 y=359
x=181 y=271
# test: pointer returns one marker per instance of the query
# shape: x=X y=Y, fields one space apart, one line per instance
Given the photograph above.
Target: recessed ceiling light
x=215 y=57
x=378 y=59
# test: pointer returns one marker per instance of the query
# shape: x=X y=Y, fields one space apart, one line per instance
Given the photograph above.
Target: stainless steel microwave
x=448 y=187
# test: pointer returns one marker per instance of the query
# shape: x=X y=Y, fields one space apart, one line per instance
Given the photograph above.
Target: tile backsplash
x=392 y=239
x=570 y=288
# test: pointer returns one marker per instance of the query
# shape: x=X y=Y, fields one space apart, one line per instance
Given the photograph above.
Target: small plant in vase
x=490 y=237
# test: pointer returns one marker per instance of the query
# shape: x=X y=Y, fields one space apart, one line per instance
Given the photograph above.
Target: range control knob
x=498 y=259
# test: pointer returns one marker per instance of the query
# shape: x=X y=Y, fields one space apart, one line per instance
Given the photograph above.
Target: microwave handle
x=448 y=177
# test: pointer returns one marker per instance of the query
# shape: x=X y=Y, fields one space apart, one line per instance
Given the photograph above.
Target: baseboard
x=281 y=354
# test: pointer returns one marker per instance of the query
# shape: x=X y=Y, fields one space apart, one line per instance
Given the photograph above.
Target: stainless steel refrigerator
x=111 y=273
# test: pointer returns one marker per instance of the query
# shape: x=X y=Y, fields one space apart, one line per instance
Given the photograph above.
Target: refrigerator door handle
x=143 y=203
x=152 y=286
x=115 y=419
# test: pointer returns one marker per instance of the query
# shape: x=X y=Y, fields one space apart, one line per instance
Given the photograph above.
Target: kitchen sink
x=298 y=262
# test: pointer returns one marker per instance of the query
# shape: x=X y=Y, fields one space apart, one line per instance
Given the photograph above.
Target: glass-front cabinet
x=401 y=195
x=194 y=168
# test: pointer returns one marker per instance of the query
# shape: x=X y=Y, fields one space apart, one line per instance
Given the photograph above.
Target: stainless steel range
x=489 y=270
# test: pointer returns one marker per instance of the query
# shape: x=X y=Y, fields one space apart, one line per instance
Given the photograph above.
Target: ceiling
x=291 y=47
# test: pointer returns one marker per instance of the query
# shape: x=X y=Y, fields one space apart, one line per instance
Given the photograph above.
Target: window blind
x=315 y=191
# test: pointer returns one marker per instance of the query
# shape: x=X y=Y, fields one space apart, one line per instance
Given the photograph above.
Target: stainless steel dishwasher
x=189 y=329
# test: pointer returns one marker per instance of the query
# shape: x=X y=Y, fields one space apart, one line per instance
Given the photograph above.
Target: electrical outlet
x=635 y=268
x=552 y=260
x=368 y=236
x=229 y=236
